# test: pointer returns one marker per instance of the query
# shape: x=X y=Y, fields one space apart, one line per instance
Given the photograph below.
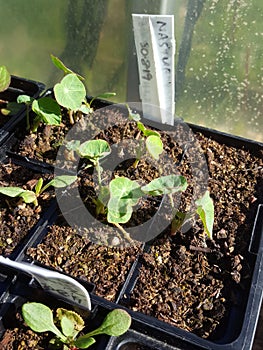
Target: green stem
x=36 y=124
x=97 y=166
x=125 y=233
x=71 y=120
x=27 y=118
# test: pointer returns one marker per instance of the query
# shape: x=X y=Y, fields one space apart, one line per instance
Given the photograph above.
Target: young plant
x=28 y=196
x=40 y=319
x=71 y=92
x=122 y=194
x=151 y=139
x=46 y=109
x=94 y=151
x=125 y=194
x=204 y=210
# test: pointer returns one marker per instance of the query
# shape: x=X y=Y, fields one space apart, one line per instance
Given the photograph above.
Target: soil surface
x=17 y=218
x=21 y=337
x=189 y=281
x=70 y=250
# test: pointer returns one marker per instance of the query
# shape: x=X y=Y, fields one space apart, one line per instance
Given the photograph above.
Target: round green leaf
x=5 y=78
x=94 y=149
x=48 y=110
x=154 y=146
x=124 y=194
x=70 y=92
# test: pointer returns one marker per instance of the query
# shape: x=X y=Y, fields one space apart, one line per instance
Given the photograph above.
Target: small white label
x=54 y=282
x=155 y=46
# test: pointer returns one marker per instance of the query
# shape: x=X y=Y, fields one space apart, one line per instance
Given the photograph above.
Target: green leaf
x=85 y=109
x=154 y=146
x=40 y=319
x=116 y=323
x=70 y=92
x=25 y=99
x=48 y=110
x=60 y=65
x=103 y=95
x=39 y=185
x=84 y=342
x=94 y=149
x=60 y=181
x=133 y=116
x=71 y=322
x=124 y=194
x=147 y=132
x=205 y=210
x=5 y=78
x=165 y=185
x=28 y=196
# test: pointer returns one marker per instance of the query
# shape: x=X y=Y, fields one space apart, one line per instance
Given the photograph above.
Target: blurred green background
x=219 y=52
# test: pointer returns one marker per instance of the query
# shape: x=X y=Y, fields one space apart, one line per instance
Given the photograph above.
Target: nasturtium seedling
x=39 y=318
x=124 y=194
x=5 y=78
x=154 y=146
x=94 y=150
x=46 y=109
x=205 y=210
x=152 y=139
x=70 y=92
x=31 y=196
x=168 y=184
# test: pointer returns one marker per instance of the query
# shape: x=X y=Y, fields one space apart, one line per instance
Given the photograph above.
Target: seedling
x=46 y=109
x=39 y=318
x=28 y=196
x=70 y=93
x=94 y=151
x=122 y=194
x=151 y=139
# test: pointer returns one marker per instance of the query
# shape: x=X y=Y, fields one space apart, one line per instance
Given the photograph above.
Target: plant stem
x=27 y=118
x=71 y=120
x=125 y=233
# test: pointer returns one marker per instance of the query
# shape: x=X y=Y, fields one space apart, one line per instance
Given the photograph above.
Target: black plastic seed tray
x=18 y=86
x=25 y=289
x=46 y=214
x=238 y=329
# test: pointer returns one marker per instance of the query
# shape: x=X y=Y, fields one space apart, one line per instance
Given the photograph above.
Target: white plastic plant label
x=155 y=47
x=54 y=282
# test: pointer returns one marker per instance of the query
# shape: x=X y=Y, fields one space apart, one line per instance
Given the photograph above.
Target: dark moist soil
x=186 y=279
x=69 y=250
x=21 y=337
x=17 y=218
x=191 y=282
